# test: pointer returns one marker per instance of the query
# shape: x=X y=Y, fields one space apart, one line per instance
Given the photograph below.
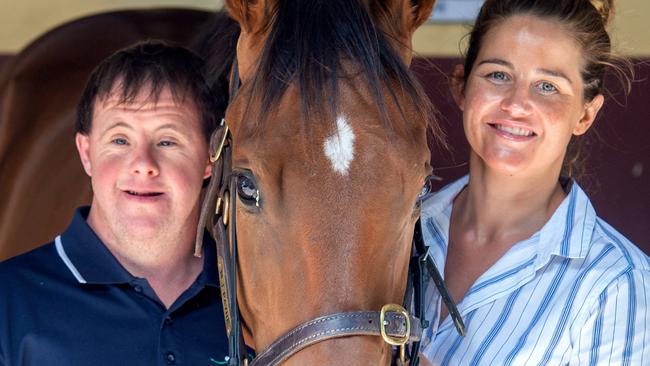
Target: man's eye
x=119 y=141
x=166 y=143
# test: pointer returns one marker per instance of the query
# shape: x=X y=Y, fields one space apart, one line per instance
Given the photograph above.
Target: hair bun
x=605 y=8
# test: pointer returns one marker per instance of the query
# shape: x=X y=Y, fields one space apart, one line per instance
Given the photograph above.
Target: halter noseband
x=393 y=323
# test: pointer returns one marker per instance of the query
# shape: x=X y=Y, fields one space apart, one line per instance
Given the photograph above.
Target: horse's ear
x=420 y=12
x=250 y=14
x=406 y=15
x=253 y=17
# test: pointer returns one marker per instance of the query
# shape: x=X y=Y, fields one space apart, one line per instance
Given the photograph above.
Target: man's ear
x=208 y=169
x=83 y=147
x=589 y=115
x=457 y=86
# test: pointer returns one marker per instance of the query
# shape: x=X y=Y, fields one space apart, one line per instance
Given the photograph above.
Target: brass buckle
x=223 y=207
x=395 y=341
x=222 y=143
x=226 y=208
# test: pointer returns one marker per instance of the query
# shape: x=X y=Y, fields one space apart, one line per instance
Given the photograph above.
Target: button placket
x=170 y=358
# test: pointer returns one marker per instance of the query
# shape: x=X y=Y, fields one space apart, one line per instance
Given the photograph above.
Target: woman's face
x=523 y=99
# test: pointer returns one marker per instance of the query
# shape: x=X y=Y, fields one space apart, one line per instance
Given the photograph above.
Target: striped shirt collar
x=575 y=216
x=90 y=261
x=566 y=234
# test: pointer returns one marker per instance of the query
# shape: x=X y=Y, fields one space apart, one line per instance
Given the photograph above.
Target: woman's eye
x=547 y=87
x=498 y=76
x=119 y=141
x=247 y=190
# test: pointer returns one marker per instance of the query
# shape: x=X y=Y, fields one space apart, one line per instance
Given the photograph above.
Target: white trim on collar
x=66 y=260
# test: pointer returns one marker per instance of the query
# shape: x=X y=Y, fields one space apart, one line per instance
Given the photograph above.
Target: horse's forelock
x=313 y=44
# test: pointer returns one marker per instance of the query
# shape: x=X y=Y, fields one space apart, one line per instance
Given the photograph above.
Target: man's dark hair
x=154 y=65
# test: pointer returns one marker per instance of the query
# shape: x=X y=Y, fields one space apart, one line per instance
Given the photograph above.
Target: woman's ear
x=457 y=85
x=589 y=115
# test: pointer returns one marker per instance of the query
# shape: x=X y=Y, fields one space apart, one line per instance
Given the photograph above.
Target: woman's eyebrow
x=554 y=73
x=497 y=61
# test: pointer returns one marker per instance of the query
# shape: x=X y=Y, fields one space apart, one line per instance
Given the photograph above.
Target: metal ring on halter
x=395 y=341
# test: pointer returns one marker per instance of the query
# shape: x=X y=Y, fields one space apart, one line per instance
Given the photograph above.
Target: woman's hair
x=587 y=22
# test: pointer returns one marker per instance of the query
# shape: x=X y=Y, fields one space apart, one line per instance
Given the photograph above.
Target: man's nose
x=144 y=161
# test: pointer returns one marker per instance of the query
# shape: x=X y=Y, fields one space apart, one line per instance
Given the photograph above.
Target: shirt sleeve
x=618 y=327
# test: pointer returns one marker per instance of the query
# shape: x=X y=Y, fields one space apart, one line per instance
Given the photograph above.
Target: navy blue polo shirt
x=71 y=303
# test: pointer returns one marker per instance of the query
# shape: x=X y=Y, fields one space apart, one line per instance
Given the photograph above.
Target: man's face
x=147 y=162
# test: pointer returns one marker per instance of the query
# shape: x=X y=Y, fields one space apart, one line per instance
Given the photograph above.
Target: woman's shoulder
x=612 y=270
x=594 y=239
x=613 y=265
x=607 y=238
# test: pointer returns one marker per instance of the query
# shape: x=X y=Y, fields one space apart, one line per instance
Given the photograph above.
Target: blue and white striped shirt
x=575 y=293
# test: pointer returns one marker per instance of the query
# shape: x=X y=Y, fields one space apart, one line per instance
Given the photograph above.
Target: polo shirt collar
x=91 y=262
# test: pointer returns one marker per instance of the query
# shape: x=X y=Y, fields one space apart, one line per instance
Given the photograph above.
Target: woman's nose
x=517 y=102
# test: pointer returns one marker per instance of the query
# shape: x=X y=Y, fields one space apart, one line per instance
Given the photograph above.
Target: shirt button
x=137 y=288
x=170 y=357
x=168 y=320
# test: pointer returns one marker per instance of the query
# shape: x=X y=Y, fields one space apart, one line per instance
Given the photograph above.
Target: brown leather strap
x=356 y=323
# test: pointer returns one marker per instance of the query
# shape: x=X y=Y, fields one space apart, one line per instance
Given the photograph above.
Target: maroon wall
x=3 y=59
x=618 y=166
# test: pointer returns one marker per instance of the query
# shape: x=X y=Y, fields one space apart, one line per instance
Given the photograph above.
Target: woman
x=542 y=280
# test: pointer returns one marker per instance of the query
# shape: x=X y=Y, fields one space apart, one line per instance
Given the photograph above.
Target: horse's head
x=330 y=152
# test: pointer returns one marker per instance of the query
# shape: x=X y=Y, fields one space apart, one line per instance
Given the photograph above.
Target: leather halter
x=393 y=323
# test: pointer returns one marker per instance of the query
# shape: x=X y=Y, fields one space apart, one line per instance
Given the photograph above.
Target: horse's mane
x=311 y=41
x=216 y=43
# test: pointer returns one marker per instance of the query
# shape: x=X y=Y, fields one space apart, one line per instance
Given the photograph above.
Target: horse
x=41 y=178
x=319 y=170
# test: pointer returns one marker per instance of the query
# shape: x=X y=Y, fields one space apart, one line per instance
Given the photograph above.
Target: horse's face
x=331 y=227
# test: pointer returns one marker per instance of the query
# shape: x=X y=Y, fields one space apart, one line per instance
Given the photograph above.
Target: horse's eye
x=247 y=190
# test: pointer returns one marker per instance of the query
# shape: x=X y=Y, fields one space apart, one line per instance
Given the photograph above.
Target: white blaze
x=339 y=148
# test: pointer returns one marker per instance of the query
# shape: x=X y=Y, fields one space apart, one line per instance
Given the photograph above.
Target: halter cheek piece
x=393 y=323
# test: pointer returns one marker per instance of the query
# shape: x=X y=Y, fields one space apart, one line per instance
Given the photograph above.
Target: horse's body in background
x=329 y=151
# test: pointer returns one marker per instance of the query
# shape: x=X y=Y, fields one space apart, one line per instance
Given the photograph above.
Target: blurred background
x=35 y=204
x=23 y=21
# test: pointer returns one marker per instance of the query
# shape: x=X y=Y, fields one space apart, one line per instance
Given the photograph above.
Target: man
x=121 y=284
